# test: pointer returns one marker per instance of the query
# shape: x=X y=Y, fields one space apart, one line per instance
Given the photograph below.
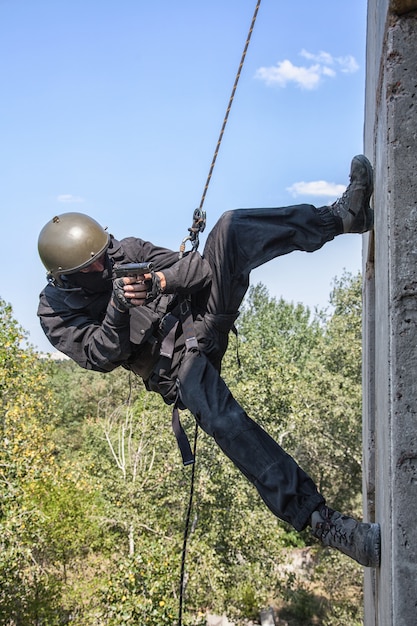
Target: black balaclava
x=92 y=282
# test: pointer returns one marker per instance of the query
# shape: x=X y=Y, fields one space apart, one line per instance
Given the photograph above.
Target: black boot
x=360 y=541
x=353 y=207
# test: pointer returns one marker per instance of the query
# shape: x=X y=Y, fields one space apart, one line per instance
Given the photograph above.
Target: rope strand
x=242 y=60
x=186 y=529
x=190 y=501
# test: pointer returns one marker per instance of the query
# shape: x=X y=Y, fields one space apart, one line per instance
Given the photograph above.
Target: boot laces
x=337 y=533
x=344 y=201
x=334 y=531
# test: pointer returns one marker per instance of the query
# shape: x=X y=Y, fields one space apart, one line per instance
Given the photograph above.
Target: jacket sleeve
x=184 y=276
x=96 y=346
x=190 y=274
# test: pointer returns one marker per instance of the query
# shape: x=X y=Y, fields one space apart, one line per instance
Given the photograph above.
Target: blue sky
x=113 y=108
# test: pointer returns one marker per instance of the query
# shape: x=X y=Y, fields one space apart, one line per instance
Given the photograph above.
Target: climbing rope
x=198 y=225
x=226 y=117
x=199 y=216
x=186 y=532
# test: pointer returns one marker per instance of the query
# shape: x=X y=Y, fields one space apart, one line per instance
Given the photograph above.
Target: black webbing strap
x=191 y=343
x=182 y=439
x=169 y=328
x=188 y=325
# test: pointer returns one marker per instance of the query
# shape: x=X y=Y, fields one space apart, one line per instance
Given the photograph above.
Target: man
x=142 y=324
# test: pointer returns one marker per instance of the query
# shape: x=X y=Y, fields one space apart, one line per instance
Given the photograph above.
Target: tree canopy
x=93 y=492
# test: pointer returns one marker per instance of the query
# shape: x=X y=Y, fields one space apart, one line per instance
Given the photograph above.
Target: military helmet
x=70 y=242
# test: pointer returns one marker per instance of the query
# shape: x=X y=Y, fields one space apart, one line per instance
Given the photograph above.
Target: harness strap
x=169 y=328
x=182 y=439
x=187 y=324
x=191 y=343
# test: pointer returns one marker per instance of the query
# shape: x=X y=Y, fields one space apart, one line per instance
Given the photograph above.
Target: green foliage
x=275 y=343
x=94 y=494
x=26 y=455
x=45 y=519
x=139 y=590
x=327 y=406
x=301 y=379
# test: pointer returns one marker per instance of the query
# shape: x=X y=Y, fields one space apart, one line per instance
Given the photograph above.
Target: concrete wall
x=390 y=311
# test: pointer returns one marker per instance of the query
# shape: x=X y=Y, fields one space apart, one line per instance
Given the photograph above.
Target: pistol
x=131 y=269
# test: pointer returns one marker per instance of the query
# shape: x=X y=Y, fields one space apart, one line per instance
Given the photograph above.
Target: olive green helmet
x=69 y=242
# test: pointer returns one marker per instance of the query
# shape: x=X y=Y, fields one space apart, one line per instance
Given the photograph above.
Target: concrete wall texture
x=390 y=311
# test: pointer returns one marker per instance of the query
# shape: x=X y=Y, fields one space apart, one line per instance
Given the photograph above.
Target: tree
x=47 y=510
x=26 y=454
x=327 y=407
x=94 y=494
x=300 y=378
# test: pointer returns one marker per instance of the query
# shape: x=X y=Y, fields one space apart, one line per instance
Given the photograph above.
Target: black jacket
x=85 y=326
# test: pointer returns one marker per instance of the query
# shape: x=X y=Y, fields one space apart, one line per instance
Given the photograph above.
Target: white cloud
x=324 y=65
x=285 y=72
x=348 y=64
x=316 y=188
x=324 y=58
x=68 y=198
x=327 y=71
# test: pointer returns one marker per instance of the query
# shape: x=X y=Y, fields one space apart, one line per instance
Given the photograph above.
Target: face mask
x=93 y=282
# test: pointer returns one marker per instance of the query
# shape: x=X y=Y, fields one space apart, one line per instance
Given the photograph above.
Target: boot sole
x=369 y=216
x=373 y=546
x=363 y=160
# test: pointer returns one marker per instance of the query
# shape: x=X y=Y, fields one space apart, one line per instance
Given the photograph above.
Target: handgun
x=131 y=269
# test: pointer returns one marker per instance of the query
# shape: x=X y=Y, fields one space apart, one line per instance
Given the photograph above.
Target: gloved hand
x=154 y=286
x=119 y=299
x=131 y=291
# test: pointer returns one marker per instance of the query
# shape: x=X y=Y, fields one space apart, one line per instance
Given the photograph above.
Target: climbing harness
x=197 y=227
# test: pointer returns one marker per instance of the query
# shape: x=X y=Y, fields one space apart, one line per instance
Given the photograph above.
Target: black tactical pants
x=240 y=241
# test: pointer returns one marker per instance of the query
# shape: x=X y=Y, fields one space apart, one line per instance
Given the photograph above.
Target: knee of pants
x=221 y=418
x=225 y=427
x=206 y=395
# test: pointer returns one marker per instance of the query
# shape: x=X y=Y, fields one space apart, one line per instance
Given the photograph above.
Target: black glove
x=120 y=301
x=154 y=288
